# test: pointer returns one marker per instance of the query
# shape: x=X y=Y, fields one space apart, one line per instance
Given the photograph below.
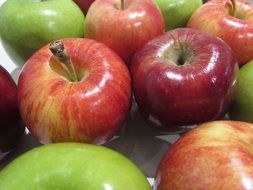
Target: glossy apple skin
x=84 y=5
x=72 y=166
x=214 y=155
x=11 y=125
x=170 y=95
x=235 y=30
x=174 y=14
x=28 y=25
x=242 y=107
x=124 y=30
x=91 y=110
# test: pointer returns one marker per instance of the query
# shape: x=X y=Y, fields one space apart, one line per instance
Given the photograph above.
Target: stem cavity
x=182 y=51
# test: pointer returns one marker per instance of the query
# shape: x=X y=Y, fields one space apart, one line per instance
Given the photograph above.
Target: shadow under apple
x=141 y=144
x=27 y=142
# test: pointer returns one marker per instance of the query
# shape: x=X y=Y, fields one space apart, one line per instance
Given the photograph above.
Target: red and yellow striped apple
x=231 y=20
x=87 y=106
x=214 y=155
x=122 y=25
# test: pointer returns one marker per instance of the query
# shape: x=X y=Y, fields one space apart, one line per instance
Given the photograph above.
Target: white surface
x=5 y=61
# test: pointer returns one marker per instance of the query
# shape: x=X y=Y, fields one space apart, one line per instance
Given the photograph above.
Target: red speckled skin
x=124 y=30
x=90 y=110
x=214 y=17
x=214 y=156
x=11 y=126
x=170 y=95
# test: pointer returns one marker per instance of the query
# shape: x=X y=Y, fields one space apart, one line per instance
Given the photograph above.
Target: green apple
x=176 y=13
x=242 y=107
x=75 y=166
x=27 y=25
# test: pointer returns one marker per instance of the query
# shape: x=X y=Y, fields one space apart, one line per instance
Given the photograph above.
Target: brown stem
x=234 y=7
x=122 y=6
x=58 y=50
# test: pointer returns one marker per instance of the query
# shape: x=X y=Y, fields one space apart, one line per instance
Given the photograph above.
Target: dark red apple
x=11 y=125
x=213 y=156
x=84 y=5
x=183 y=77
x=124 y=25
x=84 y=96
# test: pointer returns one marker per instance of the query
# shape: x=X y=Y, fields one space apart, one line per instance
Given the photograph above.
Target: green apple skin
x=242 y=107
x=176 y=13
x=27 y=25
x=75 y=166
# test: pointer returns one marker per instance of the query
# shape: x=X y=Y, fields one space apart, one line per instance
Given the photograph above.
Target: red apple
x=214 y=155
x=11 y=125
x=124 y=26
x=89 y=106
x=183 y=77
x=84 y=5
x=231 y=20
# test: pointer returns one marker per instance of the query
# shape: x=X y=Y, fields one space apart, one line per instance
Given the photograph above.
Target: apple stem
x=122 y=6
x=233 y=10
x=58 y=50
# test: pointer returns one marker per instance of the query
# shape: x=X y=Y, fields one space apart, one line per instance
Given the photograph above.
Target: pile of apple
x=84 y=63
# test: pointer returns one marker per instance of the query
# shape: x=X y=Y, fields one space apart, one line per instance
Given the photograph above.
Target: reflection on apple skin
x=182 y=78
x=214 y=155
x=90 y=110
x=125 y=30
x=27 y=26
x=234 y=26
x=72 y=166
